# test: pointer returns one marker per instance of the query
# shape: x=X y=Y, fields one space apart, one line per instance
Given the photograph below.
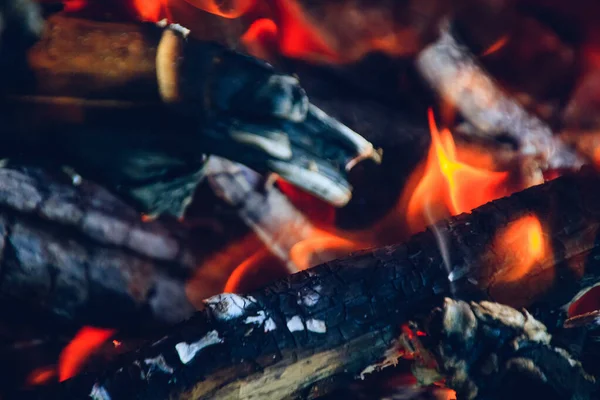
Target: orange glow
x=150 y=10
x=448 y=186
x=296 y=36
x=85 y=342
x=224 y=8
x=497 y=45
x=321 y=247
x=116 y=343
x=260 y=39
x=41 y=376
x=520 y=247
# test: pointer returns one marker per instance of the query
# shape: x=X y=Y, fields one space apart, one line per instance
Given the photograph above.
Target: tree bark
x=302 y=336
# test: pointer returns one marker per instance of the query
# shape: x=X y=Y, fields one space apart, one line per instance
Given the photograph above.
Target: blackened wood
x=303 y=335
x=80 y=253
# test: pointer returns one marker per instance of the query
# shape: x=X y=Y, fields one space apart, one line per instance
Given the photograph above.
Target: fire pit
x=299 y=199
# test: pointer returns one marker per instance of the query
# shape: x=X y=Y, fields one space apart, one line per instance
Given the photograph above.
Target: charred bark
x=80 y=253
x=303 y=335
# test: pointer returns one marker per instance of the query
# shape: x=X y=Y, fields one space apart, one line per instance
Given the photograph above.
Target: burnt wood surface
x=302 y=336
x=80 y=253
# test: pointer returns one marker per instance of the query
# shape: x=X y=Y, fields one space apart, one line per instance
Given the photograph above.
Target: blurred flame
x=497 y=45
x=235 y=280
x=224 y=8
x=150 y=10
x=260 y=39
x=321 y=247
x=41 y=376
x=297 y=38
x=79 y=349
x=520 y=247
x=448 y=186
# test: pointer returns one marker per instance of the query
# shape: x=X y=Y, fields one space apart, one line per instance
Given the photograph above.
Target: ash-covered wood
x=452 y=71
x=306 y=334
x=80 y=253
x=490 y=351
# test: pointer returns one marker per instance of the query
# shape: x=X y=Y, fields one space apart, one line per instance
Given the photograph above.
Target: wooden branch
x=304 y=335
x=80 y=253
x=452 y=71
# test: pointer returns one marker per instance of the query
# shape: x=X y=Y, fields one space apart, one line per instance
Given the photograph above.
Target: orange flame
x=79 y=349
x=234 y=282
x=448 y=186
x=321 y=247
x=520 y=247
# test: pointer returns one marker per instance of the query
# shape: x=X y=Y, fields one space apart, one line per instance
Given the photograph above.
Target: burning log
x=316 y=329
x=81 y=254
x=455 y=75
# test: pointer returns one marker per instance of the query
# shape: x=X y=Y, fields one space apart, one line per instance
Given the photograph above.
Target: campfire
x=299 y=199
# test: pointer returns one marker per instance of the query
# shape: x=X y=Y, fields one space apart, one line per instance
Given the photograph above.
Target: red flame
x=150 y=10
x=85 y=342
x=448 y=186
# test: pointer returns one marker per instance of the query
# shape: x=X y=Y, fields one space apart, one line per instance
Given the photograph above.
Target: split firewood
x=454 y=74
x=80 y=253
x=314 y=330
x=490 y=351
x=261 y=206
x=110 y=94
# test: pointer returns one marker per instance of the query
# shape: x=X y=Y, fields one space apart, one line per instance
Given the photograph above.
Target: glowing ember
x=497 y=45
x=41 y=376
x=85 y=342
x=448 y=186
x=520 y=247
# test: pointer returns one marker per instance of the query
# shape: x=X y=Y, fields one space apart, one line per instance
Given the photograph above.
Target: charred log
x=83 y=75
x=303 y=335
x=80 y=253
x=490 y=351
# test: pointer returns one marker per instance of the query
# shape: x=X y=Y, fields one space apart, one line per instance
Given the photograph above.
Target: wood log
x=214 y=100
x=302 y=336
x=456 y=76
x=80 y=253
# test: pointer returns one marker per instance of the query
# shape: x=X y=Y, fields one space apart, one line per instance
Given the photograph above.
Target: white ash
x=311 y=296
x=99 y=393
x=316 y=325
x=228 y=306
x=187 y=352
x=391 y=357
x=295 y=324
x=158 y=364
x=270 y=325
x=258 y=319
